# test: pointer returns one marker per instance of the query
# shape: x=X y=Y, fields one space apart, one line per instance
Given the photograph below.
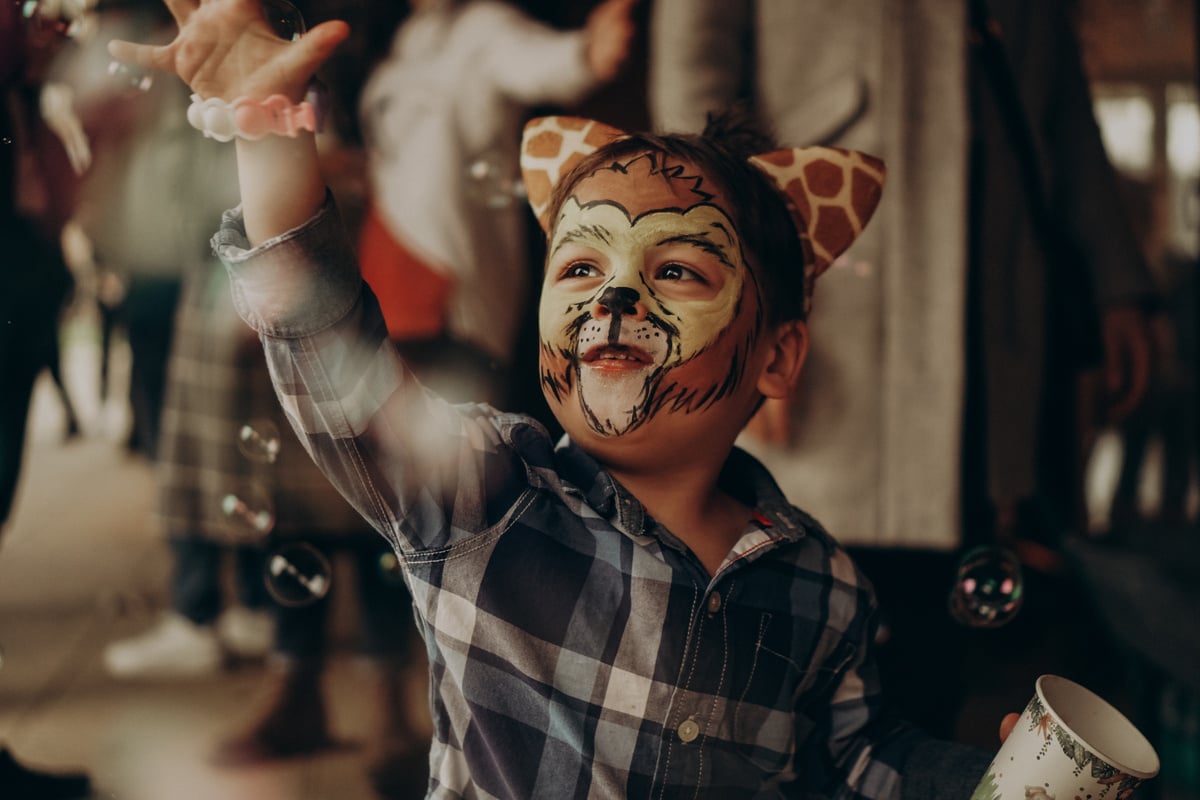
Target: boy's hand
x=1007 y=724
x=609 y=32
x=227 y=49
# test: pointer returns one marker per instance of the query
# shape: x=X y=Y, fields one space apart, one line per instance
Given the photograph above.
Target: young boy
x=636 y=611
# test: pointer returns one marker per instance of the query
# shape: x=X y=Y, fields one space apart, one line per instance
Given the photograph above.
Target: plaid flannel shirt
x=577 y=649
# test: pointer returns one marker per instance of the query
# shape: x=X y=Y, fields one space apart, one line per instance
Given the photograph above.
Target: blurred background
x=186 y=611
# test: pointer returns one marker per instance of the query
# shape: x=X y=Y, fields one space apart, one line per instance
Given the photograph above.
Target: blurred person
x=291 y=717
x=1168 y=416
x=948 y=349
x=33 y=285
x=154 y=187
x=41 y=163
x=218 y=385
x=141 y=274
x=443 y=242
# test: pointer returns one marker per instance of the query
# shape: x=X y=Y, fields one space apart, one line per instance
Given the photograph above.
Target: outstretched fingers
x=147 y=56
x=180 y=9
x=306 y=55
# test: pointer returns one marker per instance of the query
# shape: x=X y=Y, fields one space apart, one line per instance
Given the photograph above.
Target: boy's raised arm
x=226 y=49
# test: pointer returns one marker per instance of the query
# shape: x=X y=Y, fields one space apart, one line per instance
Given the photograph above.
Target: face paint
x=648 y=305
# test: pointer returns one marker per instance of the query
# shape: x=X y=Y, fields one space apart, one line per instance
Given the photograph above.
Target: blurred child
x=636 y=610
x=443 y=246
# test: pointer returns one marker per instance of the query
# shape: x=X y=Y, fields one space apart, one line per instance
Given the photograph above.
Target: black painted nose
x=619 y=300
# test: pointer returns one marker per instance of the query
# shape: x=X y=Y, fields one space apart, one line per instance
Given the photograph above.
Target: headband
x=830 y=192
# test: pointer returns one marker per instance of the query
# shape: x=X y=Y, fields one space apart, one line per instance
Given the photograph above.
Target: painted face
x=648 y=306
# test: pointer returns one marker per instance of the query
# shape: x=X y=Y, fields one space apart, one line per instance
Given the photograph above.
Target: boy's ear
x=550 y=146
x=789 y=349
x=831 y=194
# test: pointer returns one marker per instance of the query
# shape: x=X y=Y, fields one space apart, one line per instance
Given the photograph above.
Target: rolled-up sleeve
x=423 y=472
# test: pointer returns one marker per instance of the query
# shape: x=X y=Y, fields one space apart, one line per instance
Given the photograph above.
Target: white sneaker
x=174 y=648
x=246 y=633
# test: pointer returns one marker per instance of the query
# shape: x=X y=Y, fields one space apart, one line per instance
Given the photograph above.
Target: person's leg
x=20 y=782
x=1135 y=433
x=54 y=364
x=19 y=369
x=1179 y=448
x=184 y=642
x=291 y=719
x=196 y=579
x=397 y=763
x=149 y=314
x=30 y=311
x=247 y=626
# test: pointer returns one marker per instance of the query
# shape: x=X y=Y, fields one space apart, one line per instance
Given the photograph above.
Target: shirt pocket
x=779 y=681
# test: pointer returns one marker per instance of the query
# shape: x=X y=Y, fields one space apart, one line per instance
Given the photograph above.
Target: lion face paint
x=648 y=305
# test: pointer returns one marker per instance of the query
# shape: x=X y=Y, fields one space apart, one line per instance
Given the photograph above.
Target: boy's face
x=648 y=306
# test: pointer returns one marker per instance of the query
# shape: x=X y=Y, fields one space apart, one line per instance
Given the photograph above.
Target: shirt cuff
x=292 y=285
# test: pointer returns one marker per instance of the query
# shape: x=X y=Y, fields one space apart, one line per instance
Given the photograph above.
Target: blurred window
x=1183 y=169
x=1126 y=117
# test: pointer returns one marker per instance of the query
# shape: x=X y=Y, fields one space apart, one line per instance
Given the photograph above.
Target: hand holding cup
x=1068 y=744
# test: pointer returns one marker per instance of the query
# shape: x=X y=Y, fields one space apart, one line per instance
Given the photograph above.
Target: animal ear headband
x=830 y=193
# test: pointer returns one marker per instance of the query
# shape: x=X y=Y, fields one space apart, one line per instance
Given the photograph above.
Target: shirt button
x=714 y=602
x=688 y=731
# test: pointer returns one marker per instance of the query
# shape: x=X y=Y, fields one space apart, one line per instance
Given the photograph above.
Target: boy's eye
x=580 y=270
x=677 y=272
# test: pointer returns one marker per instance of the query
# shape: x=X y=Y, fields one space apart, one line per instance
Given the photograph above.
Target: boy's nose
x=619 y=301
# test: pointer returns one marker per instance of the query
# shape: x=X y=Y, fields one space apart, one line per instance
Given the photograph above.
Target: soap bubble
x=258 y=440
x=286 y=20
x=988 y=588
x=297 y=574
x=128 y=76
x=489 y=184
x=250 y=511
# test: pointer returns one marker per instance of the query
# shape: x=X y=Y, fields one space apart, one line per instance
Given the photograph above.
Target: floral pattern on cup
x=1052 y=733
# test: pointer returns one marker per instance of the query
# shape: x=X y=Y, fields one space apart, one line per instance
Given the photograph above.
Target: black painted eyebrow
x=700 y=241
x=581 y=232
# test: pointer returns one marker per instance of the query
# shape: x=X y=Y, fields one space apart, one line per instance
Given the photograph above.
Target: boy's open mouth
x=616 y=356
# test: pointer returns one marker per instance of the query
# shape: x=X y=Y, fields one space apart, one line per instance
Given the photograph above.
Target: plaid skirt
x=230 y=467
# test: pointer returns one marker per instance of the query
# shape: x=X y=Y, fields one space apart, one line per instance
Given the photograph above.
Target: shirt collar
x=743 y=476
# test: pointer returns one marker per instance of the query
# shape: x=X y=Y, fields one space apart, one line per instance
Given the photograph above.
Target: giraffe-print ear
x=550 y=147
x=830 y=192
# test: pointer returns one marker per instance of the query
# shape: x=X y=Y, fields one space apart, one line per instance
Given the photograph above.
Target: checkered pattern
x=577 y=649
x=218 y=383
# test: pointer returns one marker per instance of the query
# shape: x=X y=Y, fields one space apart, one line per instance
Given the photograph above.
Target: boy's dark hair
x=766 y=228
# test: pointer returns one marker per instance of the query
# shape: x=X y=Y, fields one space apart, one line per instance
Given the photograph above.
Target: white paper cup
x=1069 y=744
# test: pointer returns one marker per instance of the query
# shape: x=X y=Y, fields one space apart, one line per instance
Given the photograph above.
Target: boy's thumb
x=1007 y=724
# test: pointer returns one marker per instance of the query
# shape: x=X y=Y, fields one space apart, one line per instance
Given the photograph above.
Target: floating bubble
x=389 y=566
x=126 y=75
x=285 y=19
x=489 y=184
x=988 y=588
x=297 y=574
x=249 y=511
x=258 y=440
